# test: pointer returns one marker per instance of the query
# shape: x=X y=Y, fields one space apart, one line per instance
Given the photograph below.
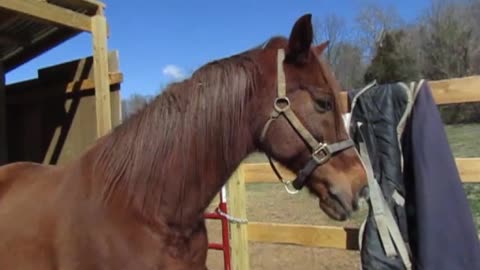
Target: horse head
x=300 y=124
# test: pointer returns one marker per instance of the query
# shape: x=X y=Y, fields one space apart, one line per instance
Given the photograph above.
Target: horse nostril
x=364 y=192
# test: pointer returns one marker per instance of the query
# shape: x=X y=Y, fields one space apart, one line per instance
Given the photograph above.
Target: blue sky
x=160 y=40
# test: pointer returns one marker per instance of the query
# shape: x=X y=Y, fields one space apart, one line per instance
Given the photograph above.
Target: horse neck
x=169 y=161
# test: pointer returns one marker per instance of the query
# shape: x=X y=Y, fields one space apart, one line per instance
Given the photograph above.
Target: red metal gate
x=217 y=214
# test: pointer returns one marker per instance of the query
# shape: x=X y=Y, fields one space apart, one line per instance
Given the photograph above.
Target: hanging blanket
x=421 y=218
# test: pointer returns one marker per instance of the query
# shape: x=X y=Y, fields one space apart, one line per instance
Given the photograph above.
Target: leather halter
x=321 y=152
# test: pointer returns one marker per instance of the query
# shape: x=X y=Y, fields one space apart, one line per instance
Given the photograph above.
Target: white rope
x=230 y=218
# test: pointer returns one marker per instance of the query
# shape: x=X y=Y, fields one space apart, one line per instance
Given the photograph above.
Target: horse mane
x=184 y=137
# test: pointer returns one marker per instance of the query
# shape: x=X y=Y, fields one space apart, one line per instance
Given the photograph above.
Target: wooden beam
x=100 y=67
x=35 y=49
x=95 y=2
x=263 y=173
x=3 y=119
x=344 y=102
x=78 y=69
x=49 y=12
x=34 y=90
x=237 y=207
x=81 y=85
x=469 y=169
x=304 y=235
x=457 y=90
x=114 y=78
x=85 y=3
x=8 y=39
x=451 y=91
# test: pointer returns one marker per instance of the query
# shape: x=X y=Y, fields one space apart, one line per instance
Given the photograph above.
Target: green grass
x=473 y=196
x=463 y=140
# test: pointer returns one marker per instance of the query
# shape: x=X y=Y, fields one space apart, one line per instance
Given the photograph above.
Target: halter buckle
x=281 y=104
x=322 y=154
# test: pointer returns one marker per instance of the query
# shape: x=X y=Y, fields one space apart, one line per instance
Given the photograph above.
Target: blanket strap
x=387 y=227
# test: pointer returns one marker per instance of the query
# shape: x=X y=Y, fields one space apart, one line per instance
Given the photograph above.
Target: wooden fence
x=461 y=90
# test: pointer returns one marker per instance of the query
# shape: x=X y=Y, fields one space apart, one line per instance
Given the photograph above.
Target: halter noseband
x=321 y=152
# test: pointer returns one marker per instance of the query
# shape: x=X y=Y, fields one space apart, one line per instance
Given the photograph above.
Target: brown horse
x=136 y=198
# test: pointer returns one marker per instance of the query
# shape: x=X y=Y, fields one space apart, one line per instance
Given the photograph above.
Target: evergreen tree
x=393 y=62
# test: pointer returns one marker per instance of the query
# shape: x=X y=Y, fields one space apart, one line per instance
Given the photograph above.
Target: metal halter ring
x=281 y=104
x=287 y=185
x=322 y=153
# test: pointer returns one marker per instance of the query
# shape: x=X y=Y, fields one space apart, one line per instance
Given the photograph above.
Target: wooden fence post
x=100 y=67
x=238 y=208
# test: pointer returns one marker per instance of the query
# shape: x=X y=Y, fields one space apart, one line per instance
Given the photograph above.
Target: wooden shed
x=52 y=118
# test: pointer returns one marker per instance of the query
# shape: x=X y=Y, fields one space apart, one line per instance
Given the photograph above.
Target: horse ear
x=321 y=48
x=300 y=40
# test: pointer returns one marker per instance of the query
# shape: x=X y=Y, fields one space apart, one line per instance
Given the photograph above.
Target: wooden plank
x=100 y=66
x=65 y=127
x=33 y=90
x=238 y=232
x=15 y=39
x=35 y=49
x=95 y=2
x=263 y=173
x=451 y=91
x=469 y=169
x=3 y=118
x=86 y=4
x=457 y=90
x=113 y=78
x=78 y=69
x=304 y=235
x=49 y=12
x=344 y=104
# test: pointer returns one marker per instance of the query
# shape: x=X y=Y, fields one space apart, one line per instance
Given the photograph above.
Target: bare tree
x=133 y=104
x=349 y=66
x=344 y=56
x=373 y=21
x=473 y=13
x=333 y=29
x=447 y=36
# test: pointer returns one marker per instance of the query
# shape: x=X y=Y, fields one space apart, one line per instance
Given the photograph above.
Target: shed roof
x=24 y=37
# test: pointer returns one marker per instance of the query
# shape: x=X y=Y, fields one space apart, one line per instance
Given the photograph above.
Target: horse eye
x=323 y=105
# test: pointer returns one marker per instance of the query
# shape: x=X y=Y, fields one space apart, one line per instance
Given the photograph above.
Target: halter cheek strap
x=321 y=152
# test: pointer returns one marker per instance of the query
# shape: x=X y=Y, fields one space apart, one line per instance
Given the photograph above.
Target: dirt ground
x=270 y=203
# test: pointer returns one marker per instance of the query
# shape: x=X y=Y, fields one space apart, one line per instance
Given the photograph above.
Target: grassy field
x=463 y=141
x=269 y=203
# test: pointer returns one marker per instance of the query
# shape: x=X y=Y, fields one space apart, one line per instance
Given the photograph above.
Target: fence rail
x=468 y=168
x=459 y=90
x=319 y=236
x=304 y=235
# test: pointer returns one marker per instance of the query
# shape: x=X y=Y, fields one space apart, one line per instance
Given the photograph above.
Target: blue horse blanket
x=411 y=159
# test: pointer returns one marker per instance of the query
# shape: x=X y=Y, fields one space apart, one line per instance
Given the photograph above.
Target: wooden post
x=344 y=103
x=3 y=118
x=100 y=66
x=238 y=208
